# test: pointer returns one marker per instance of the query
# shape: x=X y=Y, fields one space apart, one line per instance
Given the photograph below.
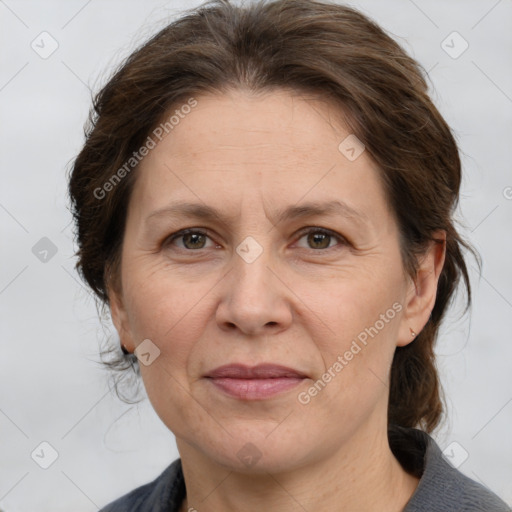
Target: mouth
x=254 y=383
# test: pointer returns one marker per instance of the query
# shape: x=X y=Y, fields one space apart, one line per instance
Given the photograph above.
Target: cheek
x=161 y=305
x=171 y=398
x=351 y=306
x=356 y=337
x=172 y=315
x=356 y=359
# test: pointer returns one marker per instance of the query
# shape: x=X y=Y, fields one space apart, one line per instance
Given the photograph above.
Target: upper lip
x=261 y=371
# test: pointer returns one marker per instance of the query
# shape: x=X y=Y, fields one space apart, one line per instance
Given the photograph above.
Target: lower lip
x=255 y=389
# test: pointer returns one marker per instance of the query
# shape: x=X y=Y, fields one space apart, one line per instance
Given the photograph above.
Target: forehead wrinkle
x=205 y=212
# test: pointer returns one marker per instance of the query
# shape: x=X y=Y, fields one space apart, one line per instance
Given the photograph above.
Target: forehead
x=281 y=123
x=281 y=146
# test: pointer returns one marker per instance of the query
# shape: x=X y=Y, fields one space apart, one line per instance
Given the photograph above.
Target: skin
x=301 y=303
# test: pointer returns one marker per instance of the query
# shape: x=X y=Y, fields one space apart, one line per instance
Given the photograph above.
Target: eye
x=191 y=239
x=194 y=239
x=319 y=238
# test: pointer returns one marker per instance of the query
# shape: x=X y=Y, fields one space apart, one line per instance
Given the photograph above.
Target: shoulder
x=450 y=489
x=442 y=487
x=167 y=490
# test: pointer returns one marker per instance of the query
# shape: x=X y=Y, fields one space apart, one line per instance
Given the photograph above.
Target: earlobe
x=422 y=291
x=120 y=320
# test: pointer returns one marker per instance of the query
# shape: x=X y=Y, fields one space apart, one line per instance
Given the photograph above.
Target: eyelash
x=306 y=231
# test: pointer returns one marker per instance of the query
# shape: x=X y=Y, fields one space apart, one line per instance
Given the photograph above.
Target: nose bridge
x=251 y=274
x=253 y=299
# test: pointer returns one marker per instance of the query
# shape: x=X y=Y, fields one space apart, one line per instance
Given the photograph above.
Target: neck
x=362 y=475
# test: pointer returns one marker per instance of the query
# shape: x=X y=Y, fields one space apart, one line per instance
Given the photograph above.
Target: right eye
x=191 y=239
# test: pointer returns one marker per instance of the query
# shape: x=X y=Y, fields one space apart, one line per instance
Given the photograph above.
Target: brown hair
x=306 y=46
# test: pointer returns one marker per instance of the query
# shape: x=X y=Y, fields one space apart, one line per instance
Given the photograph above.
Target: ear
x=422 y=290
x=120 y=319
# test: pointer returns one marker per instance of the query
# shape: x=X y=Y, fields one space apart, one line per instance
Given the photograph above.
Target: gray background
x=52 y=387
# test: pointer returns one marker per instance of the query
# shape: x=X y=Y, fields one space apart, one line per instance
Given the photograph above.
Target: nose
x=255 y=299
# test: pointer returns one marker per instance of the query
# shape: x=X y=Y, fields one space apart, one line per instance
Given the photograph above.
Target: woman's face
x=295 y=262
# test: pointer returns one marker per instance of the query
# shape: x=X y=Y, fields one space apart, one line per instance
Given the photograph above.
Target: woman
x=264 y=202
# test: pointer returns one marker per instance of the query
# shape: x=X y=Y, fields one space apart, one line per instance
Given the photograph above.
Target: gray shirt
x=442 y=488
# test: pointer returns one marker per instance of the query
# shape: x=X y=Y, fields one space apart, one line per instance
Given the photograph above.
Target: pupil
x=193 y=239
x=321 y=238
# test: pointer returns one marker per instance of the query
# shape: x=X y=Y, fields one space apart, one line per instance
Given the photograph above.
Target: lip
x=254 y=383
x=261 y=371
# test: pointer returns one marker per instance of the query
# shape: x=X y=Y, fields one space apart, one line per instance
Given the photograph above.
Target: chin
x=259 y=453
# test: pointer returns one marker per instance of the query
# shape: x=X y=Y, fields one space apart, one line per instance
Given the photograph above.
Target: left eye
x=321 y=239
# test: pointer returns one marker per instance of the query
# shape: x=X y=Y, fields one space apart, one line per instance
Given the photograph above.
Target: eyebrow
x=311 y=209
